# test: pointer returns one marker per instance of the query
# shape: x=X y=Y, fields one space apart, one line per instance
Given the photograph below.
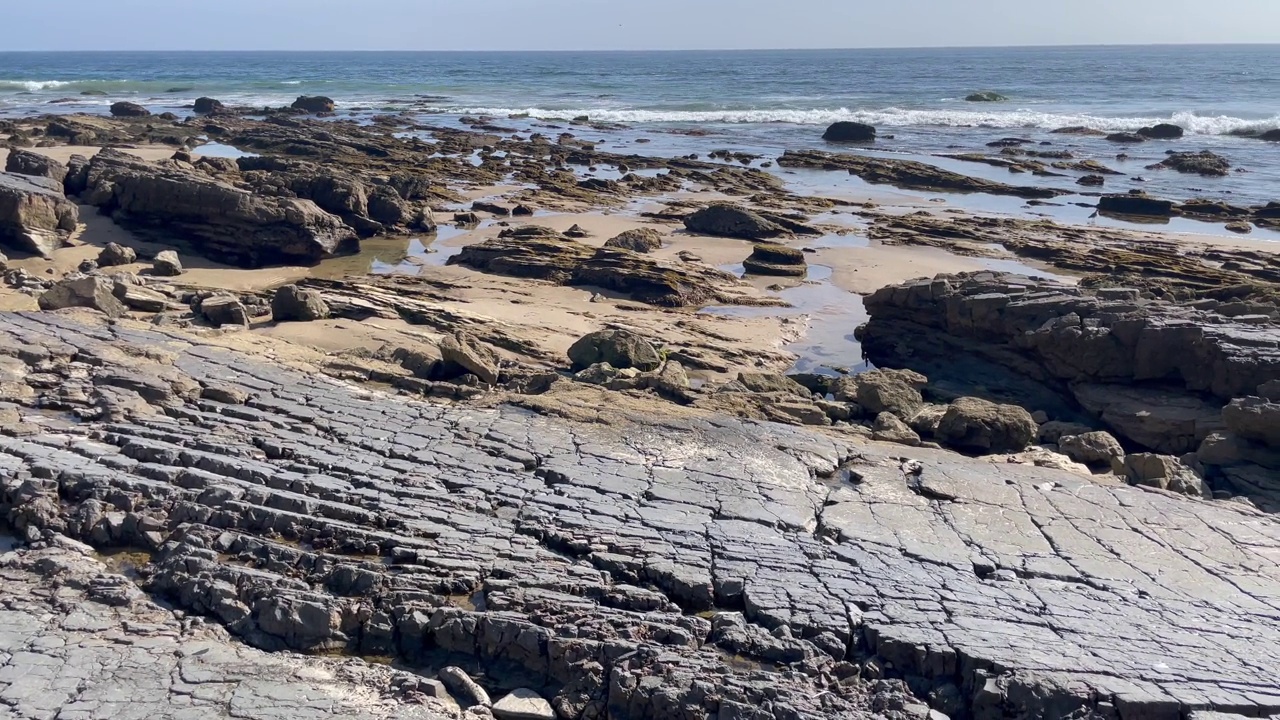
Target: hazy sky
x=623 y=24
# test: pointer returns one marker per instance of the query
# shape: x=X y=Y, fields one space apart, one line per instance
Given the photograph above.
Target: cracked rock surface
x=681 y=567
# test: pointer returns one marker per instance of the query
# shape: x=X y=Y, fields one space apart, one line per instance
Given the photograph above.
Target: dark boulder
x=772 y=259
x=1135 y=204
x=1125 y=137
x=850 y=132
x=314 y=104
x=166 y=264
x=732 y=221
x=128 y=109
x=1271 y=135
x=207 y=106
x=1162 y=131
x=1091 y=181
x=985 y=96
x=640 y=240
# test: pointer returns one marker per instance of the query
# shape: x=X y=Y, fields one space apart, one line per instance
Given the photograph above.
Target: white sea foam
x=32 y=85
x=891 y=117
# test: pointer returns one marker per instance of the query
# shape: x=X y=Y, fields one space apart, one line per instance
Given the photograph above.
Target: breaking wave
x=891 y=117
x=32 y=85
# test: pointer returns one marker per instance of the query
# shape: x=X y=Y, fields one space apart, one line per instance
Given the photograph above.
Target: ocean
x=753 y=101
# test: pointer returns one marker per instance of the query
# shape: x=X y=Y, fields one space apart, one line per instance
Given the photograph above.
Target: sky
x=625 y=24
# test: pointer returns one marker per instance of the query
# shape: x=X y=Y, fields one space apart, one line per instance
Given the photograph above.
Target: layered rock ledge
x=695 y=566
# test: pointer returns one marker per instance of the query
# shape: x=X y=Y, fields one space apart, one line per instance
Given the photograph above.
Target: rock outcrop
x=207 y=106
x=25 y=162
x=727 y=220
x=534 y=252
x=1204 y=163
x=1170 y=377
x=314 y=104
x=620 y=349
x=1162 y=131
x=129 y=110
x=35 y=216
x=223 y=222
x=593 y=566
x=907 y=174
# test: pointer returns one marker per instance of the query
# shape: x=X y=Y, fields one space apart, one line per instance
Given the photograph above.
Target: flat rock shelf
x=677 y=568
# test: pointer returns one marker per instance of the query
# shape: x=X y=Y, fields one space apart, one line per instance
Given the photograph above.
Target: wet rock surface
x=907 y=174
x=684 y=567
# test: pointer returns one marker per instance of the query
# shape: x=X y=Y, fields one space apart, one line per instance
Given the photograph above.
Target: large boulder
x=34 y=214
x=313 y=104
x=222 y=310
x=641 y=240
x=128 y=109
x=1091 y=448
x=978 y=425
x=25 y=162
x=1254 y=418
x=461 y=354
x=523 y=704
x=773 y=259
x=732 y=221
x=850 y=132
x=116 y=254
x=1162 y=131
x=93 y=292
x=877 y=391
x=620 y=348
x=291 y=303
x=218 y=220
x=207 y=106
x=1161 y=471
x=1164 y=421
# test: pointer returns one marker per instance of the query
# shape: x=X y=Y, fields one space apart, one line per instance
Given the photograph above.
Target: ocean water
x=757 y=101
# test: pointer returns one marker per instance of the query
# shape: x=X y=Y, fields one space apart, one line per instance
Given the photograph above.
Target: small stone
x=523 y=704
x=115 y=254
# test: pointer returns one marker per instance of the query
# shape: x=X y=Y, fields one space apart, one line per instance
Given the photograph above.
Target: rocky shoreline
x=536 y=478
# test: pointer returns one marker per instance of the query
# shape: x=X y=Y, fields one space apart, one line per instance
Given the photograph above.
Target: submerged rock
x=1135 y=204
x=1204 y=163
x=771 y=259
x=985 y=96
x=850 y=132
x=907 y=174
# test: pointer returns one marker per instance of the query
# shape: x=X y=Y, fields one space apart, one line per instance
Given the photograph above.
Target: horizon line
x=654 y=50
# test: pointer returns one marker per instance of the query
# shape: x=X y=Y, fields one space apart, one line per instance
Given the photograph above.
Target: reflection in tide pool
x=833 y=316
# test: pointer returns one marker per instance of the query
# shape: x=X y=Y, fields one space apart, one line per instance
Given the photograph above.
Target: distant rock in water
x=773 y=259
x=1124 y=137
x=206 y=105
x=1204 y=163
x=1271 y=135
x=850 y=132
x=128 y=109
x=1078 y=130
x=1135 y=204
x=313 y=104
x=1091 y=180
x=1162 y=131
x=986 y=96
